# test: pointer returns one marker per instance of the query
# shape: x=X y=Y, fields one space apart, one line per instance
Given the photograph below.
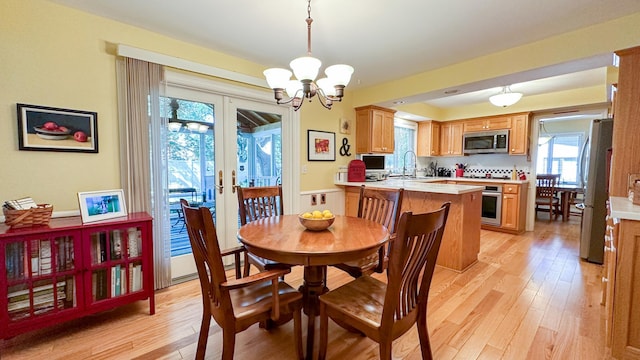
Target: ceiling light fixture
x=305 y=69
x=174 y=126
x=505 y=98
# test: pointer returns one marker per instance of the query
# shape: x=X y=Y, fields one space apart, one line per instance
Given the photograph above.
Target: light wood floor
x=528 y=297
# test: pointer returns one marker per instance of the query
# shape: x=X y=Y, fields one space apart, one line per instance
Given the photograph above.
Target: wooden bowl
x=316 y=224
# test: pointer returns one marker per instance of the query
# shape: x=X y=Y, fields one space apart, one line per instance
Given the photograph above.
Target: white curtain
x=142 y=156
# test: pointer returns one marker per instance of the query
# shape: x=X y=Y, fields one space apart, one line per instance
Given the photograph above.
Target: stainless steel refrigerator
x=594 y=166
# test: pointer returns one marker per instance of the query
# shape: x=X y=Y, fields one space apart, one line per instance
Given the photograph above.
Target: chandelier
x=505 y=98
x=305 y=69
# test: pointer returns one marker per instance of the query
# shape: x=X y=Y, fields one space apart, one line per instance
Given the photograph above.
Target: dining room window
x=405 y=133
x=559 y=154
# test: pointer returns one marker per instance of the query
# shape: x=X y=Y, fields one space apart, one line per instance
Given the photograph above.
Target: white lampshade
x=327 y=86
x=277 y=78
x=505 y=98
x=174 y=126
x=294 y=87
x=193 y=126
x=339 y=74
x=305 y=68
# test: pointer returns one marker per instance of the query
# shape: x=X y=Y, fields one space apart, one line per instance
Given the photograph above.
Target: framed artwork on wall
x=42 y=128
x=345 y=126
x=101 y=205
x=321 y=145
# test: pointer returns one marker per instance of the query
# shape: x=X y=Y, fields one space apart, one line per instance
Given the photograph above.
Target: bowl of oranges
x=316 y=220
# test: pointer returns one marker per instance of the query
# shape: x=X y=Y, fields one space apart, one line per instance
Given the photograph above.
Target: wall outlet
x=323 y=198
x=314 y=200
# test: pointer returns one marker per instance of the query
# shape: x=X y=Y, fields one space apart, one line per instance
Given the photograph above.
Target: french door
x=214 y=143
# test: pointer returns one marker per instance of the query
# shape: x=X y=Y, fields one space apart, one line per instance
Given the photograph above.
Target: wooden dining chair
x=235 y=304
x=256 y=203
x=384 y=311
x=382 y=206
x=546 y=199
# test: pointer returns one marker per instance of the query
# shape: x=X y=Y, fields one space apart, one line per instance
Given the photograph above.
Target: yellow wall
x=55 y=56
x=320 y=174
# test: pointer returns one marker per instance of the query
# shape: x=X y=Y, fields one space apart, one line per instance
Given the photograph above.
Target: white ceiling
x=382 y=40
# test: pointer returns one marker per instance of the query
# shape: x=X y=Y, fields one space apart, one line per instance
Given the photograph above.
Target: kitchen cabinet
x=374 y=130
x=626 y=147
x=451 y=138
x=488 y=123
x=519 y=134
x=625 y=322
x=514 y=200
x=351 y=200
x=513 y=208
x=428 y=138
x=609 y=273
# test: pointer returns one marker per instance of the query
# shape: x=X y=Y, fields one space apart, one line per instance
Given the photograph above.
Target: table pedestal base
x=311 y=289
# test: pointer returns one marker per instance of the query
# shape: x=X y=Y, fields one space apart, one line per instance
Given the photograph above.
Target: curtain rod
x=167 y=60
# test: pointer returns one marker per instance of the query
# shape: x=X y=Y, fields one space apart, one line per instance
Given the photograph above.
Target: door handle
x=233 y=181
x=219 y=186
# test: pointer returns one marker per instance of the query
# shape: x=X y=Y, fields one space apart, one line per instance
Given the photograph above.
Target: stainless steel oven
x=492 y=205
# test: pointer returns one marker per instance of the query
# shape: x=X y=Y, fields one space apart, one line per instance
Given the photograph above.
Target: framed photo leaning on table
x=43 y=128
x=101 y=205
x=321 y=145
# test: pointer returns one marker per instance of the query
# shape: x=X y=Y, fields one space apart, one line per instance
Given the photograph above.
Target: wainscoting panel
x=334 y=201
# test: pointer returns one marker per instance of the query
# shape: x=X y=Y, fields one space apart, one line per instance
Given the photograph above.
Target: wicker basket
x=25 y=218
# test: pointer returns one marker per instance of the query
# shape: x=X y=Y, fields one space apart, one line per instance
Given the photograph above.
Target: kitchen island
x=461 y=240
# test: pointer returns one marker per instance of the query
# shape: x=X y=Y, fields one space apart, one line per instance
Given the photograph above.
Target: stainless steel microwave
x=489 y=142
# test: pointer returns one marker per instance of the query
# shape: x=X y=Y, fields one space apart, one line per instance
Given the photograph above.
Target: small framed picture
x=42 y=128
x=345 y=126
x=101 y=205
x=321 y=146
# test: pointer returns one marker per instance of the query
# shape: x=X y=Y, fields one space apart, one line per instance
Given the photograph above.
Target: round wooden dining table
x=284 y=239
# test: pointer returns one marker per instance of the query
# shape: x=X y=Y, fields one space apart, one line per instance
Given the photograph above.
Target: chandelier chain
x=309 y=21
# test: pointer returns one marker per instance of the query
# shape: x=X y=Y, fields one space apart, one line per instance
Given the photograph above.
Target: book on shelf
x=45 y=257
x=116 y=244
x=123 y=280
x=115 y=281
x=34 y=289
x=132 y=242
x=42 y=299
x=136 y=278
x=99 y=282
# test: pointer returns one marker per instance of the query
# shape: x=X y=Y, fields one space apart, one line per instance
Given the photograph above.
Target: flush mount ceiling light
x=505 y=98
x=305 y=69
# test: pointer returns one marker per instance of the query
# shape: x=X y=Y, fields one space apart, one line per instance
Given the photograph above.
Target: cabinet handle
x=605 y=280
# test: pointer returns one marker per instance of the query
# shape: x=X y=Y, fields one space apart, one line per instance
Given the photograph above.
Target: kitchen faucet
x=415 y=164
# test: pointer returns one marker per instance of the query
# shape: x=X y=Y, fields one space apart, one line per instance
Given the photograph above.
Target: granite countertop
x=623 y=209
x=423 y=185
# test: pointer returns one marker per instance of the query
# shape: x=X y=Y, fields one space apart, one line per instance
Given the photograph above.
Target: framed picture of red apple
x=321 y=145
x=42 y=128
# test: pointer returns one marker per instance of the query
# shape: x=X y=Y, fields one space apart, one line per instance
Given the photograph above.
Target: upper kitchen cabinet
x=488 y=123
x=374 y=130
x=451 y=138
x=626 y=147
x=428 y=138
x=519 y=135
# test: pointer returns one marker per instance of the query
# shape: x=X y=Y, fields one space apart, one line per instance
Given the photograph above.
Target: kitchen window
x=405 y=133
x=558 y=154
